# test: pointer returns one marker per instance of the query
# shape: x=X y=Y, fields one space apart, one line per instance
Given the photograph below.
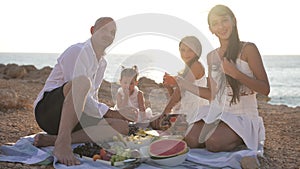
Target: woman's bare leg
x=223 y=139
x=217 y=137
x=193 y=134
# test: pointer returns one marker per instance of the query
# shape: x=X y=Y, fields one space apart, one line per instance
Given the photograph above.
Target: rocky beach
x=19 y=86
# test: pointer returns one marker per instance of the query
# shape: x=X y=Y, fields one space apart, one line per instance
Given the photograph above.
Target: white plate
x=144 y=151
x=118 y=163
x=137 y=144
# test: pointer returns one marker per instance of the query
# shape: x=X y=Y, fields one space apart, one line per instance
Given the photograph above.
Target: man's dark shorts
x=48 y=112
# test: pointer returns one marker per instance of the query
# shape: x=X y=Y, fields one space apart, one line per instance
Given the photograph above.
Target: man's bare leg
x=71 y=112
x=106 y=129
x=43 y=140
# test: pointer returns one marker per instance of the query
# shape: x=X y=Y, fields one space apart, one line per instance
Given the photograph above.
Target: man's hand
x=130 y=113
x=127 y=113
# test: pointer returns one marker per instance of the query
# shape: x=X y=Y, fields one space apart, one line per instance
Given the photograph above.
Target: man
x=71 y=93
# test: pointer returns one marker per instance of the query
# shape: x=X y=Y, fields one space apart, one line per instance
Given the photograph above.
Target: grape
x=132 y=129
x=87 y=149
x=115 y=154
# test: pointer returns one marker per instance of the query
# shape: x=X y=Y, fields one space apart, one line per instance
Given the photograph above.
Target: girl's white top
x=133 y=98
x=189 y=102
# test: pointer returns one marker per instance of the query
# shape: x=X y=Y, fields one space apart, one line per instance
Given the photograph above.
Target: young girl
x=236 y=73
x=129 y=95
x=182 y=102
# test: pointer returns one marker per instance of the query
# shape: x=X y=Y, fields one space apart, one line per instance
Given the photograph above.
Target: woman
x=236 y=73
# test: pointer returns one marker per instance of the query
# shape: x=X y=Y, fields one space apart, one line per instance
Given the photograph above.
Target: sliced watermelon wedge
x=165 y=148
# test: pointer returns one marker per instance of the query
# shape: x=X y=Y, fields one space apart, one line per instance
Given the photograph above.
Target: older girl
x=236 y=73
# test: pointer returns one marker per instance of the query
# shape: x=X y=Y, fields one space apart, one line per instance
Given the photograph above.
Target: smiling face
x=190 y=48
x=104 y=32
x=186 y=53
x=221 y=26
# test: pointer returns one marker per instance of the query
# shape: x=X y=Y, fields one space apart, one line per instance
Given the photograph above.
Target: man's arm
x=127 y=113
x=114 y=114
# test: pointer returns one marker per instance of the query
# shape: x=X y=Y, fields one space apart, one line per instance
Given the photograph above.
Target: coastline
x=19 y=86
x=284 y=89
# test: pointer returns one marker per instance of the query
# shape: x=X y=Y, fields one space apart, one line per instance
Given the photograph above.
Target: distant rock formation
x=154 y=93
x=26 y=72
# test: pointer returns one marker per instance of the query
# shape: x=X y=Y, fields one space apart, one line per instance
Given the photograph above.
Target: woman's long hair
x=233 y=48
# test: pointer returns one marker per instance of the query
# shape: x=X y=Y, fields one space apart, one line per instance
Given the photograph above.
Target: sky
x=50 y=26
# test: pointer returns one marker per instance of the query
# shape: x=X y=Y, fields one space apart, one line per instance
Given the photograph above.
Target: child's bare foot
x=64 y=154
x=249 y=163
x=43 y=140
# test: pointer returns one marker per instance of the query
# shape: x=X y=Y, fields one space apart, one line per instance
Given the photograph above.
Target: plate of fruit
x=114 y=156
x=138 y=139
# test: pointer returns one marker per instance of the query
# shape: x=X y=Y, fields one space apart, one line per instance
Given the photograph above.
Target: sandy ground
x=282 y=146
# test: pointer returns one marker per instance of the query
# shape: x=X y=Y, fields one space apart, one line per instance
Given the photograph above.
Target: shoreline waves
x=285 y=90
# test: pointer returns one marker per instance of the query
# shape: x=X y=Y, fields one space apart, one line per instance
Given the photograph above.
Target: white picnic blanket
x=24 y=152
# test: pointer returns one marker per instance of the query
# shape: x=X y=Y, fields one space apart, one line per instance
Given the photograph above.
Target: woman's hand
x=155 y=124
x=169 y=80
x=229 y=68
x=161 y=123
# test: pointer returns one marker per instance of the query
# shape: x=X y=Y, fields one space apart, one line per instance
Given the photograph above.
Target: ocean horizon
x=283 y=70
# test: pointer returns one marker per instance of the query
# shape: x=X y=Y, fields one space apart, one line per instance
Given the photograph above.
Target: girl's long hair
x=233 y=48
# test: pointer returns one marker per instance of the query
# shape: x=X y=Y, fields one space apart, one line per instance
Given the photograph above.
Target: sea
x=283 y=70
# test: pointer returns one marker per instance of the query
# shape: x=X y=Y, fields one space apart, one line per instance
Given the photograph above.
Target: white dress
x=242 y=117
x=133 y=98
x=143 y=117
x=189 y=103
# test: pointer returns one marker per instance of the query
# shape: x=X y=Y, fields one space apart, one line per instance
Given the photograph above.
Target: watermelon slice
x=165 y=148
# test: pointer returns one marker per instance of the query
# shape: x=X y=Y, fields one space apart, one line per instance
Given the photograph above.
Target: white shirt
x=133 y=98
x=78 y=59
